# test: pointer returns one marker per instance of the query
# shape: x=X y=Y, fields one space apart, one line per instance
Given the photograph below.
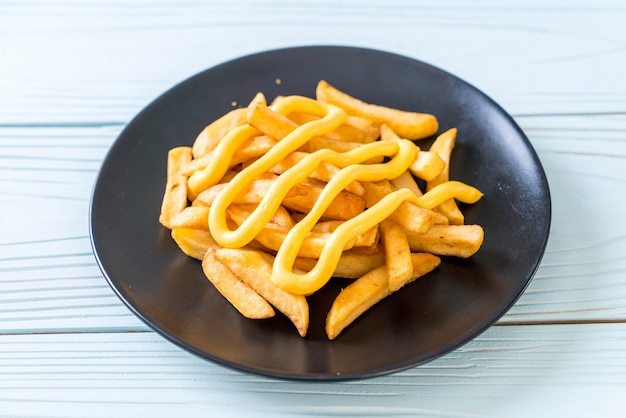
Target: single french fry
x=427 y=166
x=443 y=146
x=351 y=265
x=349 y=133
x=441 y=219
x=258 y=100
x=410 y=125
x=194 y=242
x=192 y=217
x=388 y=134
x=366 y=250
x=368 y=290
x=406 y=181
x=243 y=298
x=255 y=269
x=271 y=123
x=397 y=254
x=175 y=196
x=369 y=128
x=355 y=299
x=449 y=240
x=410 y=216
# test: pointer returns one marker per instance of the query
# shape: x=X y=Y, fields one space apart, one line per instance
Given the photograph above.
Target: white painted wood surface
x=73 y=73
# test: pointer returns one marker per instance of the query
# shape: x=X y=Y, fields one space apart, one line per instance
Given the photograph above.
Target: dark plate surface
x=427 y=319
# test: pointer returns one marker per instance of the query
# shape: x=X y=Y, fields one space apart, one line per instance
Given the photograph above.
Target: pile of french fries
x=278 y=199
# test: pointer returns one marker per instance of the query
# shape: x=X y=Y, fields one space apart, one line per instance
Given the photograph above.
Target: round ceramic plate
x=426 y=319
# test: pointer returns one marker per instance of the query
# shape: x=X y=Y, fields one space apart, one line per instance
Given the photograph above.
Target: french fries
x=274 y=200
x=243 y=297
x=370 y=289
x=255 y=269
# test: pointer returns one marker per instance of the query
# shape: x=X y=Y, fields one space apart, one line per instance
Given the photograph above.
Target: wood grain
x=495 y=375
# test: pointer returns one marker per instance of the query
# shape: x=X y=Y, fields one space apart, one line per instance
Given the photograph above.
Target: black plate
x=431 y=317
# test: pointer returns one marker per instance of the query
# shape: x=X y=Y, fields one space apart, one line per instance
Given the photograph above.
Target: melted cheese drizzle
x=402 y=153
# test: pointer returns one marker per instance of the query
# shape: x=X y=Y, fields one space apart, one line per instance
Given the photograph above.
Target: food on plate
x=278 y=199
x=370 y=289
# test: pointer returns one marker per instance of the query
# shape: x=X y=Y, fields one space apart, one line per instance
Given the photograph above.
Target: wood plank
x=103 y=63
x=49 y=279
x=584 y=158
x=513 y=371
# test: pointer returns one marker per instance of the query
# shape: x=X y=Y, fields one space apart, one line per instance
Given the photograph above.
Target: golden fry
x=397 y=254
x=410 y=125
x=175 y=196
x=194 y=242
x=255 y=269
x=368 y=290
x=271 y=123
x=451 y=240
x=406 y=181
x=427 y=166
x=248 y=302
x=192 y=217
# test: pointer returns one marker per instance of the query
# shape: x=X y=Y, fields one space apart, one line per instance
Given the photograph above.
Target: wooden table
x=73 y=73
